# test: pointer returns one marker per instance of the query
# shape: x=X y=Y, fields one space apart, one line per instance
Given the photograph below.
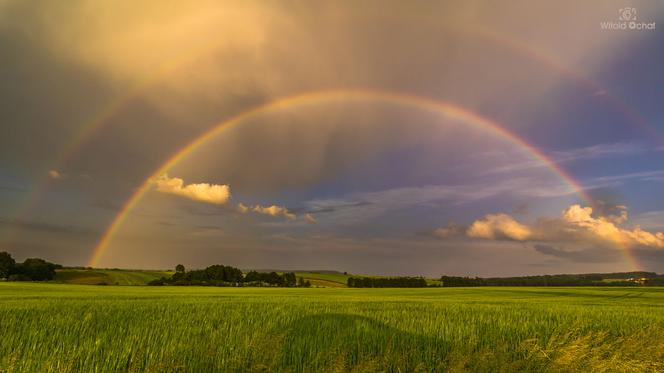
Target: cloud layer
x=204 y=192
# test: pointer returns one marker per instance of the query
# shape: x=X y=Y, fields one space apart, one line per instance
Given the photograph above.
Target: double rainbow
x=444 y=109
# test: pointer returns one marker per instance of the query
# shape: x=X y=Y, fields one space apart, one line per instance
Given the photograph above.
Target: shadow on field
x=342 y=342
x=353 y=343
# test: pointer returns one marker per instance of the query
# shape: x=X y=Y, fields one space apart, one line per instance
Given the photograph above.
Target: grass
x=61 y=328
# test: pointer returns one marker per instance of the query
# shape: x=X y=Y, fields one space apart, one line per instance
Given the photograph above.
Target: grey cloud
x=13 y=189
x=48 y=227
x=522 y=161
x=586 y=255
x=362 y=206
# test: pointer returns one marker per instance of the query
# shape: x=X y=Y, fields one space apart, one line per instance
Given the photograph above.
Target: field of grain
x=60 y=328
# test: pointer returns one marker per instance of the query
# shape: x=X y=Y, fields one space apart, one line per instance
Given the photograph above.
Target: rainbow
x=444 y=109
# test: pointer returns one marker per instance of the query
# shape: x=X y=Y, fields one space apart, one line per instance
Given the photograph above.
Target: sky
x=468 y=138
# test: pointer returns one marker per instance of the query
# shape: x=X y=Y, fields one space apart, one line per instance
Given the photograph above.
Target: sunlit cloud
x=274 y=210
x=203 y=192
x=576 y=223
x=242 y=208
x=309 y=219
x=499 y=226
x=55 y=175
x=151 y=33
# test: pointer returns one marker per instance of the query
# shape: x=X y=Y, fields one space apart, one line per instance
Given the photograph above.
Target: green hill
x=328 y=280
x=108 y=276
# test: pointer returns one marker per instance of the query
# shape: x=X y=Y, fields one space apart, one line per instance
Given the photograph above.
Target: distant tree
x=273 y=278
x=7 y=264
x=288 y=279
x=252 y=276
x=386 y=282
x=215 y=272
x=179 y=268
x=221 y=275
x=37 y=269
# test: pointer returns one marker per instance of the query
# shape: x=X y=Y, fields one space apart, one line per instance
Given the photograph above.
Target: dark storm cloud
x=48 y=227
x=13 y=189
x=41 y=95
x=333 y=206
x=650 y=259
x=106 y=205
x=54 y=82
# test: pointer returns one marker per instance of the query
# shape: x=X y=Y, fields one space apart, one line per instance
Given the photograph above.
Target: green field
x=108 y=276
x=330 y=280
x=60 y=328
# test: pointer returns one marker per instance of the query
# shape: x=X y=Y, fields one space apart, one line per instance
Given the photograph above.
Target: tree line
x=386 y=282
x=32 y=269
x=221 y=275
x=544 y=280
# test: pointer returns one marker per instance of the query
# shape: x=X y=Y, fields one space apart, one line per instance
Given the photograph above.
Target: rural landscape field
x=66 y=328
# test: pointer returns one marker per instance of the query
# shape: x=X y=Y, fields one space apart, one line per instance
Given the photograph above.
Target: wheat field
x=81 y=328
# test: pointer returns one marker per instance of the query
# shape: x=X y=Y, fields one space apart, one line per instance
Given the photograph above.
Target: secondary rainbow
x=445 y=109
x=104 y=114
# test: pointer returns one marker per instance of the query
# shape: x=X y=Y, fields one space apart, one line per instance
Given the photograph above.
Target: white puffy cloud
x=499 y=226
x=607 y=228
x=274 y=210
x=209 y=193
x=218 y=194
x=576 y=223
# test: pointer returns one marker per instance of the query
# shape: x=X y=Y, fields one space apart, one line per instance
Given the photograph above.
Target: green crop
x=80 y=328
